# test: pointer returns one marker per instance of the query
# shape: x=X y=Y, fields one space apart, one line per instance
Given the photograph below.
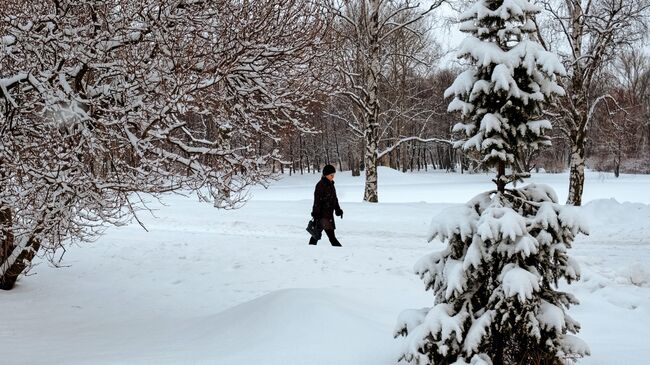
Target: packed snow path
x=240 y=287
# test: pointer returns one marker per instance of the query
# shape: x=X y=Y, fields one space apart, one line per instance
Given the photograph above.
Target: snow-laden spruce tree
x=496 y=281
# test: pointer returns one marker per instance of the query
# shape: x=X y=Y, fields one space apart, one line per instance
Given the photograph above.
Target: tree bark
x=301 y=151
x=370 y=162
x=577 y=173
x=371 y=117
x=617 y=159
x=13 y=269
x=501 y=173
x=338 y=152
x=353 y=162
x=14 y=259
x=7 y=236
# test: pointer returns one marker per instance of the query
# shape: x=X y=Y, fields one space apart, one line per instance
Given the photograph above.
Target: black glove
x=340 y=213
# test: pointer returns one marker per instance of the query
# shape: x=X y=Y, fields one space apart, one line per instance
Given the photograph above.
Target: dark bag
x=313 y=227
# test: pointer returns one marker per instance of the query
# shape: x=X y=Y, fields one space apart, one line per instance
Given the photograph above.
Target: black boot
x=312 y=241
x=332 y=237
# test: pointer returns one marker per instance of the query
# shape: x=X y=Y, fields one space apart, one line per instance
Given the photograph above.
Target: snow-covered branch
x=100 y=100
x=396 y=144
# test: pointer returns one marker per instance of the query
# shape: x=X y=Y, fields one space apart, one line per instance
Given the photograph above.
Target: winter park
x=344 y=182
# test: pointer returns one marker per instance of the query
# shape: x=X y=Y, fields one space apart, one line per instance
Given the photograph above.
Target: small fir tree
x=495 y=282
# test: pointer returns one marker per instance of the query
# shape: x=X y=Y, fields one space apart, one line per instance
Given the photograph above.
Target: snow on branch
x=100 y=101
x=397 y=143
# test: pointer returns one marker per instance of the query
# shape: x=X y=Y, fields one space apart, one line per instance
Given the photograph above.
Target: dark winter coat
x=325 y=203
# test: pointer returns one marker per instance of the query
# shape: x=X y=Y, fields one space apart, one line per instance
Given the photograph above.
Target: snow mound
x=292 y=326
x=610 y=211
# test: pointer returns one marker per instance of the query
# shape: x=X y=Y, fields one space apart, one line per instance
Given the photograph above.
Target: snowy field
x=242 y=287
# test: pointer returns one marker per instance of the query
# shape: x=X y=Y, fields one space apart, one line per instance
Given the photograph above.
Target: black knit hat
x=328 y=169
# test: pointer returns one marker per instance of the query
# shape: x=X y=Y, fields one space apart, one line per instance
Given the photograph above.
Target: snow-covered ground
x=207 y=286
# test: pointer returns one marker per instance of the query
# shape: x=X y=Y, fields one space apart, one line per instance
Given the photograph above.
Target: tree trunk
x=371 y=117
x=353 y=162
x=6 y=238
x=497 y=345
x=291 y=156
x=14 y=258
x=580 y=108
x=301 y=150
x=617 y=160
x=13 y=265
x=412 y=155
x=338 y=152
x=370 y=162
x=501 y=173
x=461 y=163
x=577 y=173
x=433 y=161
x=356 y=170
x=423 y=157
x=326 y=150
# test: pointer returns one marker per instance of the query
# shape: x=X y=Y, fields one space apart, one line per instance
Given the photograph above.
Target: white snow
x=551 y=317
x=462 y=84
x=7 y=40
x=440 y=319
x=477 y=331
x=519 y=282
x=456 y=279
x=475 y=253
x=491 y=122
x=500 y=222
x=208 y=286
x=476 y=360
x=508 y=9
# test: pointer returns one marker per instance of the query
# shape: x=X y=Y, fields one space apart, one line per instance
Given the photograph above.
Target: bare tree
x=588 y=34
x=365 y=29
x=633 y=74
x=620 y=127
x=102 y=100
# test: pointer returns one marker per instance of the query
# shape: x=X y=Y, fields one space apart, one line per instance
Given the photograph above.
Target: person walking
x=326 y=204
